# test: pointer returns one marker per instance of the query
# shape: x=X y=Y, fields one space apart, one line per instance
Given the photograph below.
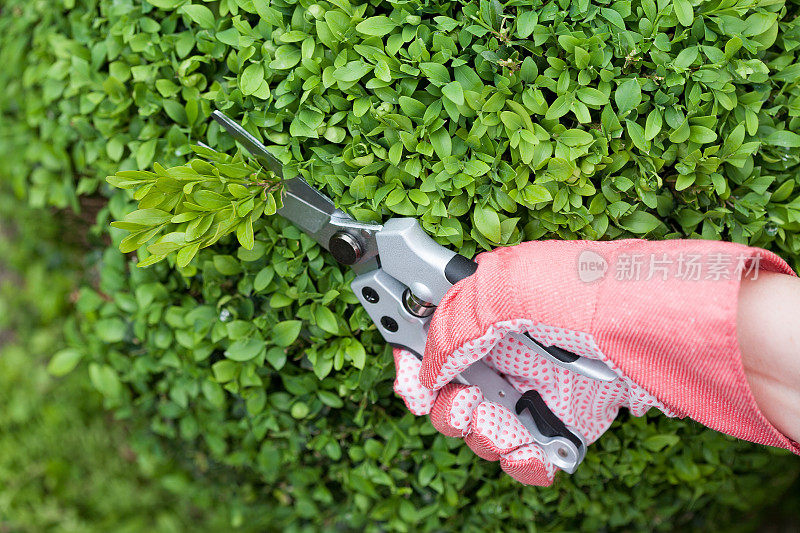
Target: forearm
x=768 y=323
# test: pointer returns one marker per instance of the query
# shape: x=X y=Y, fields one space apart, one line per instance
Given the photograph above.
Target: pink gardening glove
x=662 y=315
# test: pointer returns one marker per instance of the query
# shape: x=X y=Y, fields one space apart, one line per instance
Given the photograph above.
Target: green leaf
x=276 y=356
x=211 y=200
x=436 y=73
x=330 y=399
x=244 y=234
x=225 y=370
x=683 y=10
x=640 y=222
x=146 y=152
x=575 y=137
x=559 y=108
x=166 y=4
x=352 y=71
x=535 y=193
x=686 y=57
x=355 y=350
x=653 y=125
x=263 y=278
x=64 y=361
x=213 y=393
x=326 y=320
x=657 y=443
x=286 y=57
x=685 y=181
x=783 y=138
x=426 y=474
x=441 y=142
x=227 y=265
x=526 y=23
x=454 y=92
x=636 y=133
x=200 y=14
x=488 y=223
x=110 y=330
x=186 y=254
x=681 y=133
x=300 y=410
x=251 y=79
x=592 y=96
x=148 y=217
x=582 y=57
x=628 y=95
x=105 y=380
x=284 y=333
x=702 y=135
x=411 y=107
x=245 y=349
x=377 y=26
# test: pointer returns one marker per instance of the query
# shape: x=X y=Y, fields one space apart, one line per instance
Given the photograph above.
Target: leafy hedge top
x=492 y=124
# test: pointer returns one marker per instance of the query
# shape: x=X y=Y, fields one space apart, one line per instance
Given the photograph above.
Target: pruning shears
x=401 y=276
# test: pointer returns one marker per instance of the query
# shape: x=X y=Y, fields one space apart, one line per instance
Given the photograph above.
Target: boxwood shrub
x=491 y=122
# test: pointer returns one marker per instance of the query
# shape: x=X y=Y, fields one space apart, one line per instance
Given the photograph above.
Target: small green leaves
x=110 y=330
x=657 y=443
x=227 y=265
x=205 y=202
x=244 y=233
x=681 y=133
x=166 y=4
x=147 y=217
x=591 y=96
x=685 y=58
x=286 y=57
x=559 y=108
x=442 y=143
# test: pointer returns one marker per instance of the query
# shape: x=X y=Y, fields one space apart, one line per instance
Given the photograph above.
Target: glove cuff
x=675 y=333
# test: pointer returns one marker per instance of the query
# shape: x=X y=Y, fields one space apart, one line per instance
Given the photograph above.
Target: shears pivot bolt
x=345 y=248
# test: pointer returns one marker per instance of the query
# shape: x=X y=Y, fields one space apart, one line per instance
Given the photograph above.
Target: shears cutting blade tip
x=253 y=145
x=303 y=205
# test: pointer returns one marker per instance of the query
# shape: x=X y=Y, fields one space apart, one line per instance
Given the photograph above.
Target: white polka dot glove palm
x=491 y=430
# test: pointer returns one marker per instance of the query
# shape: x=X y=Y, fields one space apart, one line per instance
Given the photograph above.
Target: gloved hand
x=662 y=315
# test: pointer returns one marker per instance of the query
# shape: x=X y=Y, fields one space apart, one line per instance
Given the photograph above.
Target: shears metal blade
x=309 y=209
